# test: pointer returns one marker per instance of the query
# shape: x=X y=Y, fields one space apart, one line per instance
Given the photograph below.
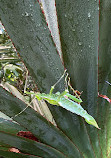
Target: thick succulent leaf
x=34 y=148
x=9 y=126
x=29 y=146
x=36 y=124
x=78 y=24
x=83 y=46
x=51 y=18
x=26 y=26
x=28 y=30
x=7 y=154
x=104 y=107
x=34 y=44
x=3 y=116
x=4 y=147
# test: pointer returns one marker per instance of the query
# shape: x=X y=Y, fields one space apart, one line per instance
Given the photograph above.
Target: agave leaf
x=28 y=30
x=78 y=24
x=29 y=146
x=77 y=48
x=36 y=124
x=7 y=154
x=104 y=107
x=7 y=128
x=51 y=18
x=5 y=148
x=10 y=126
x=3 y=116
x=32 y=39
x=79 y=37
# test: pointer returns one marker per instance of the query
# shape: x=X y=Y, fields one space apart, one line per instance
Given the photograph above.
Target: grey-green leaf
x=7 y=154
x=29 y=147
x=10 y=126
x=104 y=107
x=36 y=124
x=28 y=30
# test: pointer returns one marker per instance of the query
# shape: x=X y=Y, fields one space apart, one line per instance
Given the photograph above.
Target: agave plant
x=81 y=24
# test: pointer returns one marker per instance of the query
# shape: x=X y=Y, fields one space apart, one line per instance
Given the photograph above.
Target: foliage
x=11 y=70
x=78 y=26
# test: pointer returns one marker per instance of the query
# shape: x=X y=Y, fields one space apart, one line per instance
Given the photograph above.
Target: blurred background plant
x=12 y=70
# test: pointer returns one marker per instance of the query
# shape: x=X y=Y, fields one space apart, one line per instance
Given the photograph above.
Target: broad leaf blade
x=78 y=24
x=33 y=42
x=9 y=126
x=104 y=107
x=35 y=53
x=27 y=28
x=51 y=17
x=36 y=124
x=12 y=140
x=7 y=154
x=29 y=147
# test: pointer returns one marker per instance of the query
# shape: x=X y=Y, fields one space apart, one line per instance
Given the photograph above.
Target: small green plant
x=12 y=72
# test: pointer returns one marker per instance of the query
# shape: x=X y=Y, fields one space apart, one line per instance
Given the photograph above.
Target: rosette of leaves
x=79 y=23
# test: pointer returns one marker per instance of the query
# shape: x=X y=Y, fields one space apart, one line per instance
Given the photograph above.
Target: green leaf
x=12 y=68
x=10 y=126
x=78 y=24
x=104 y=108
x=29 y=147
x=7 y=154
x=49 y=9
x=79 y=38
x=36 y=124
x=6 y=148
x=33 y=41
x=28 y=30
